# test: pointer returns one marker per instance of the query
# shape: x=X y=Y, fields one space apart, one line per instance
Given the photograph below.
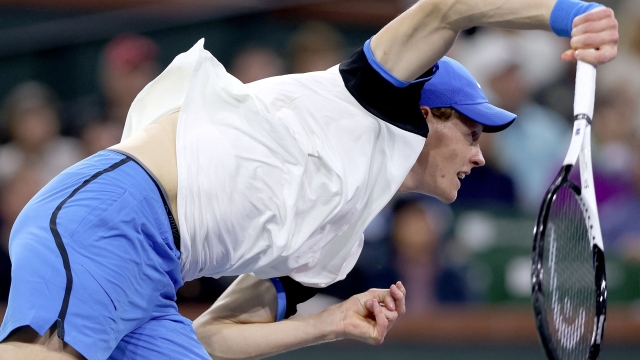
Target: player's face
x=450 y=152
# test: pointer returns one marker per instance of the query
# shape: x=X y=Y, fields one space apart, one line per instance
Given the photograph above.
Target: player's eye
x=475 y=136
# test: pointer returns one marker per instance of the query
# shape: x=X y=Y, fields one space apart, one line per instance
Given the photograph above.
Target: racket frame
x=579 y=149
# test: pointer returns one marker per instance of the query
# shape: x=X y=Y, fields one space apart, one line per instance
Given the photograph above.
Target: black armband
x=294 y=294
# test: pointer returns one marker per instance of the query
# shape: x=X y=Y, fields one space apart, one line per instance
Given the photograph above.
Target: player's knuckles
x=382 y=322
x=389 y=313
x=595 y=27
x=606 y=55
x=375 y=339
x=594 y=16
x=390 y=301
x=588 y=16
x=392 y=317
x=378 y=340
x=589 y=41
x=611 y=23
x=602 y=56
x=613 y=36
x=589 y=27
x=599 y=14
x=596 y=57
x=606 y=13
x=399 y=294
x=375 y=293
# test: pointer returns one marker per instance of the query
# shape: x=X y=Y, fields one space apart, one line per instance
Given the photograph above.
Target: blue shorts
x=94 y=253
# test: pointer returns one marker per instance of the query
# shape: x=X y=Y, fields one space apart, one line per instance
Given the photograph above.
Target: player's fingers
x=391 y=315
x=399 y=297
x=597 y=29
x=400 y=286
x=383 y=297
x=599 y=56
x=594 y=27
x=568 y=55
x=381 y=324
x=595 y=40
x=389 y=302
x=597 y=14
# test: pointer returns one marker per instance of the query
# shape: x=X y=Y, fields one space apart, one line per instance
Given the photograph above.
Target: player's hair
x=444 y=113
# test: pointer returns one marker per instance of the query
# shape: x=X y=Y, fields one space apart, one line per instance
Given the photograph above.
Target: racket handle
x=585 y=89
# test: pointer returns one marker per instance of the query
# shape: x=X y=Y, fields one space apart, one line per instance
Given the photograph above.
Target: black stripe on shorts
x=60 y=244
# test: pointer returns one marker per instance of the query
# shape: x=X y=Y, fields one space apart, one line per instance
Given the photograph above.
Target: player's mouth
x=462 y=174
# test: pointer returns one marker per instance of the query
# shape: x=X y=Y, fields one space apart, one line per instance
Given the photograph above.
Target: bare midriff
x=155 y=147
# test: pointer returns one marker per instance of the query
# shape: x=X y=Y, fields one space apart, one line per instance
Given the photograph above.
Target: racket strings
x=569 y=277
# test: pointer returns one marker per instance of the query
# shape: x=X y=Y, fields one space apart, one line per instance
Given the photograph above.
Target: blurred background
x=69 y=70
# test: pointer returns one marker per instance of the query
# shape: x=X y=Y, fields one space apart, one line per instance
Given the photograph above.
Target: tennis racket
x=569 y=287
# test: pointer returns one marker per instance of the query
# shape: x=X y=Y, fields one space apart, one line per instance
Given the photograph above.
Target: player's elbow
x=214 y=336
x=205 y=334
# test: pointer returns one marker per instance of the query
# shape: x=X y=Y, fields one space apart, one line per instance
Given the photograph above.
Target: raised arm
x=240 y=324
x=413 y=42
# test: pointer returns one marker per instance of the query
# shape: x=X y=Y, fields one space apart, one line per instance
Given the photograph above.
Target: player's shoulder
x=314 y=82
x=319 y=88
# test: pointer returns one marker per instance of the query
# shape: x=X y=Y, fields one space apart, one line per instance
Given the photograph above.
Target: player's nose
x=476 y=157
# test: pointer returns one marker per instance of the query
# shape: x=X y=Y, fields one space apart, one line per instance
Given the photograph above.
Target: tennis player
x=277 y=179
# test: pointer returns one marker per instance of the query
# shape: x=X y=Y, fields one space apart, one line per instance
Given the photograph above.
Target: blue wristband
x=385 y=73
x=282 y=298
x=565 y=11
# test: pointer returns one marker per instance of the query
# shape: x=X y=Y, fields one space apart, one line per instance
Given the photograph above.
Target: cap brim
x=492 y=117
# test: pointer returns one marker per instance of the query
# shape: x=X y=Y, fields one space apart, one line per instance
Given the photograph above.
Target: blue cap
x=454 y=86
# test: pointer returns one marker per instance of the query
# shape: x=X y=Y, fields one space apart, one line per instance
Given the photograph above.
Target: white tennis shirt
x=279 y=177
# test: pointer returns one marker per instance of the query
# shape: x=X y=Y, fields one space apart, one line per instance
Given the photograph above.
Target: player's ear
x=425 y=111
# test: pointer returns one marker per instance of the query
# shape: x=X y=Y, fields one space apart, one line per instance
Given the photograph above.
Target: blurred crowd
x=413 y=238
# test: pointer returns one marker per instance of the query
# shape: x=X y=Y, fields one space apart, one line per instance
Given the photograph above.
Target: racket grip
x=585 y=89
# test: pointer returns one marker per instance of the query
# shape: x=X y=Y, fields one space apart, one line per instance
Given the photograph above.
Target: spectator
x=316 y=46
x=5 y=275
x=99 y=135
x=30 y=112
x=558 y=95
x=374 y=268
x=256 y=63
x=629 y=20
x=619 y=216
x=419 y=233
x=127 y=64
x=22 y=186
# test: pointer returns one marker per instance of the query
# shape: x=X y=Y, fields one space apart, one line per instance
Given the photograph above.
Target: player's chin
x=448 y=197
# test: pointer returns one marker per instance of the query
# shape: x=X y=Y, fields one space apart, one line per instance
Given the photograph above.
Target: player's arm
x=240 y=324
x=413 y=42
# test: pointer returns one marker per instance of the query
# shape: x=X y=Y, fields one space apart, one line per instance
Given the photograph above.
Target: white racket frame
x=580 y=147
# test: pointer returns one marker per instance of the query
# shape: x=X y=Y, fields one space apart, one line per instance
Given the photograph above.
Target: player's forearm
x=240 y=324
x=255 y=341
x=412 y=43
